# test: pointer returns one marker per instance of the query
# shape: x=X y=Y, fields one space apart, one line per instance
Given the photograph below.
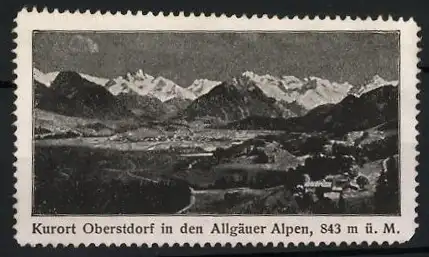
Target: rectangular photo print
x=216 y=122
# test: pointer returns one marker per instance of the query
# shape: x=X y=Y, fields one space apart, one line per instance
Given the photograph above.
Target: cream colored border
x=33 y=20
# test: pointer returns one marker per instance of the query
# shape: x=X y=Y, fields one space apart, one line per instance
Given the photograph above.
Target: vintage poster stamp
x=162 y=129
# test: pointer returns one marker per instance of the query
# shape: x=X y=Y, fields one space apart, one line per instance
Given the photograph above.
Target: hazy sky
x=183 y=57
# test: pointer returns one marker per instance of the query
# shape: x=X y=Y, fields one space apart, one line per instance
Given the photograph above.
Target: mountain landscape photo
x=216 y=123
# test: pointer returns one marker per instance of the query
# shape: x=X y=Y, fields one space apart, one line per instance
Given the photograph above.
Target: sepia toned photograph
x=216 y=123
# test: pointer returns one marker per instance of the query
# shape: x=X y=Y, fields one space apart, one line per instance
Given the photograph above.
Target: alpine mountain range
x=224 y=101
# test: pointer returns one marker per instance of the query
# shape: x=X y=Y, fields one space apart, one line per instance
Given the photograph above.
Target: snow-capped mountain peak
x=376 y=82
x=48 y=78
x=271 y=86
x=318 y=91
x=291 y=82
x=308 y=93
x=93 y=79
x=44 y=78
x=141 y=75
x=202 y=86
x=137 y=76
x=259 y=78
x=379 y=81
x=165 y=89
x=145 y=84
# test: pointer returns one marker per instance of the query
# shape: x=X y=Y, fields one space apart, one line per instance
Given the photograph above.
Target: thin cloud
x=79 y=43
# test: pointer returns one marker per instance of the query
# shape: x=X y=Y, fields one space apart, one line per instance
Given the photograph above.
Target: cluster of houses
x=60 y=133
x=331 y=183
x=158 y=138
x=162 y=138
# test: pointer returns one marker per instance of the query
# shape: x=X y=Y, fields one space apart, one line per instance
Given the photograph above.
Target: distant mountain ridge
x=372 y=108
x=246 y=95
x=145 y=84
x=310 y=92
